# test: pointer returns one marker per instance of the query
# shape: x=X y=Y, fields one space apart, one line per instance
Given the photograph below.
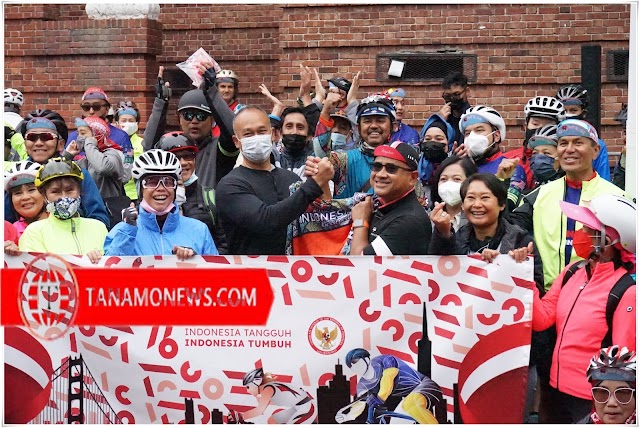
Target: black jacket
x=195 y=207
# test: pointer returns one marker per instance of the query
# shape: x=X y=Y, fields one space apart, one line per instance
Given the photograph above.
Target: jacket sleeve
x=208 y=246
x=311 y=114
x=538 y=273
x=523 y=215
x=91 y=202
x=224 y=119
x=517 y=185
x=601 y=163
x=237 y=202
x=31 y=241
x=545 y=309
x=121 y=240
x=109 y=163
x=8 y=211
x=156 y=124
x=440 y=245
x=624 y=320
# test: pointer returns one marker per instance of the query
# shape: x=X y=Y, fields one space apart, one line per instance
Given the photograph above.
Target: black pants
x=559 y=408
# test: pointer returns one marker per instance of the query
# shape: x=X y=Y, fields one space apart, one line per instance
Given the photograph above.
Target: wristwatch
x=360 y=223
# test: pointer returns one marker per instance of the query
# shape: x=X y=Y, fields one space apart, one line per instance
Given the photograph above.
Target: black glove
x=130 y=215
x=209 y=78
x=163 y=91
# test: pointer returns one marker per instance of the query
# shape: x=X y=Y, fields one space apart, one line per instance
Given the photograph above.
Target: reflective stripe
x=226 y=153
x=380 y=247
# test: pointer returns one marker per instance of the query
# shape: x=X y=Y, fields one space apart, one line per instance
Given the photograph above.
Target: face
x=453 y=172
x=227 y=91
x=253 y=389
x=84 y=131
x=341 y=126
x=195 y=128
x=124 y=118
x=44 y=147
x=613 y=412
x=398 y=102
x=483 y=129
x=435 y=135
x=295 y=123
x=63 y=187
x=375 y=130
x=160 y=197
x=249 y=123
x=27 y=200
x=573 y=110
x=187 y=160
x=360 y=367
x=538 y=122
x=97 y=108
x=392 y=186
x=481 y=205
x=576 y=155
x=455 y=92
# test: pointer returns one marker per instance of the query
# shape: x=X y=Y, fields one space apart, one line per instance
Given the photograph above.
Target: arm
x=31 y=241
x=516 y=186
x=311 y=114
x=156 y=124
x=386 y=383
x=523 y=215
x=305 y=85
x=121 y=240
x=222 y=114
x=601 y=163
x=91 y=203
x=263 y=402
x=109 y=163
x=624 y=320
x=544 y=310
x=278 y=106
x=208 y=247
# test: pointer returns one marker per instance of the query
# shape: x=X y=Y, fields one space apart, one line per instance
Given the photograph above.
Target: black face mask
x=457 y=103
x=294 y=143
x=434 y=152
x=528 y=134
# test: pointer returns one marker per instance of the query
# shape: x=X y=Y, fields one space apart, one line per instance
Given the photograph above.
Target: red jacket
x=578 y=311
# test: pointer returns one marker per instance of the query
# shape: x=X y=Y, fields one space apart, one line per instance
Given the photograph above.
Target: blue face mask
x=542 y=167
x=64 y=208
x=338 y=141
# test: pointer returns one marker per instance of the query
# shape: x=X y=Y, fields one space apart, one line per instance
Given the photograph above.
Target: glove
x=209 y=78
x=80 y=142
x=130 y=215
x=373 y=401
x=163 y=91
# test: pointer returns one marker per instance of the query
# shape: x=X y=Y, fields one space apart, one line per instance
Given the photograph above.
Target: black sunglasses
x=44 y=136
x=390 y=167
x=188 y=115
x=95 y=106
x=622 y=395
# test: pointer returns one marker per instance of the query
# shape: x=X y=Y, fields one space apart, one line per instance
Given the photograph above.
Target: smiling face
x=187 y=160
x=480 y=205
x=613 y=412
x=160 y=197
x=375 y=130
x=43 y=148
x=27 y=201
x=392 y=186
x=576 y=155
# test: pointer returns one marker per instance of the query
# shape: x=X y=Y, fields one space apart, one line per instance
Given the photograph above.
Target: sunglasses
x=200 y=116
x=455 y=95
x=186 y=156
x=391 y=168
x=43 y=136
x=622 y=395
x=154 y=182
x=95 y=106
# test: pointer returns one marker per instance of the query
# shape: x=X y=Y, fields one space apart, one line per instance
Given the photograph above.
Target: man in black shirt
x=399 y=225
x=254 y=200
x=455 y=94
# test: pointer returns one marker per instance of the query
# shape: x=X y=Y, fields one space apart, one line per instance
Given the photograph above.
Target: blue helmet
x=355 y=355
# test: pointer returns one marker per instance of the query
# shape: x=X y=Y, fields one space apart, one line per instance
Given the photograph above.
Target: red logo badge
x=326 y=335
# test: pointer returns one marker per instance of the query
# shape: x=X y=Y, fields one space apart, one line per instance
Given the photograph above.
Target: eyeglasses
x=154 y=182
x=200 y=116
x=186 y=156
x=455 y=95
x=43 y=136
x=622 y=395
x=95 y=106
x=390 y=167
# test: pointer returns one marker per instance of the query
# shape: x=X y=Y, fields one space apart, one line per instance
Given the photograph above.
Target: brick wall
x=53 y=52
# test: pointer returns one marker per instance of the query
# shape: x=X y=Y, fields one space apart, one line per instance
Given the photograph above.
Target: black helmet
x=341 y=83
x=573 y=95
x=194 y=99
x=54 y=117
x=622 y=114
x=176 y=141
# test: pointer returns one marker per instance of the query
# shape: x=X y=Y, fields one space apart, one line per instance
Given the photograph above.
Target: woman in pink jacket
x=578 y=308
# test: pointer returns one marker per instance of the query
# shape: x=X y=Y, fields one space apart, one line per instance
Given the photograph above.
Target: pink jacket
x=579 y=312
x=20 y=226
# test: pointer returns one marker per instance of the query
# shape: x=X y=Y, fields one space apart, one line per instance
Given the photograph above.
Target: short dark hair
x=291 y=110
x=467 y=165
x=455 y=78
x=492 y=182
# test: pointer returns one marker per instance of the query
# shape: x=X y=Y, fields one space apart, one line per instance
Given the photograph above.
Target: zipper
x=75 y=237
x=582 y=287
x=563 y=243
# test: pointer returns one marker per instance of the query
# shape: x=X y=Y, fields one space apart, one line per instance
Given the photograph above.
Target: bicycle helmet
x=613 y=215
x=341 y=83
x=484 y=114
x=227 y=76
x=573 y=95
x=58 y=121
x=613 y=363
x=376 y=105
x=548 y=107
x=622 y=114
x=253 y=376
x=13 y=96
x=194 y=99
x=356 y=354
x=57 y=167
x=176 y=141
x=545 y=135
x=20 y=173
x=156 y=161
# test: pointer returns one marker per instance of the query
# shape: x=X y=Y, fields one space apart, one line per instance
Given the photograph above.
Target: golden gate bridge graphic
x=76 y=397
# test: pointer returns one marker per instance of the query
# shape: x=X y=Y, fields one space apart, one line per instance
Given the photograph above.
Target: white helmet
x=156 y=161
x=619 y=214
x=489 y=114
x=545 y=107
x=20 y=173
x=229 y=74
x=13 y=96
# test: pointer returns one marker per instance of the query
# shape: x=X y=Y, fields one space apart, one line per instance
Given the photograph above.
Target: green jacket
x=540 y=214
x=130 y=186
x=74 y=236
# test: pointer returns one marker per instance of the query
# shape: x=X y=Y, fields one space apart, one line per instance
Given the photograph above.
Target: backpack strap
x=572 y=269
x=615 y=295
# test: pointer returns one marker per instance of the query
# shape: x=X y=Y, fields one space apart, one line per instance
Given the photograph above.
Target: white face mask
x=129 y=127
x=477 y=144
x=257 y=148
x=181 y=195
x=449 y=191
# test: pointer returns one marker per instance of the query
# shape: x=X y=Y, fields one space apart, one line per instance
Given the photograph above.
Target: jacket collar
x=148 y=220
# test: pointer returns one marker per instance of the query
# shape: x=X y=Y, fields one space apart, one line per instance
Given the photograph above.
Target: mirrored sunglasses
x=42 y=136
